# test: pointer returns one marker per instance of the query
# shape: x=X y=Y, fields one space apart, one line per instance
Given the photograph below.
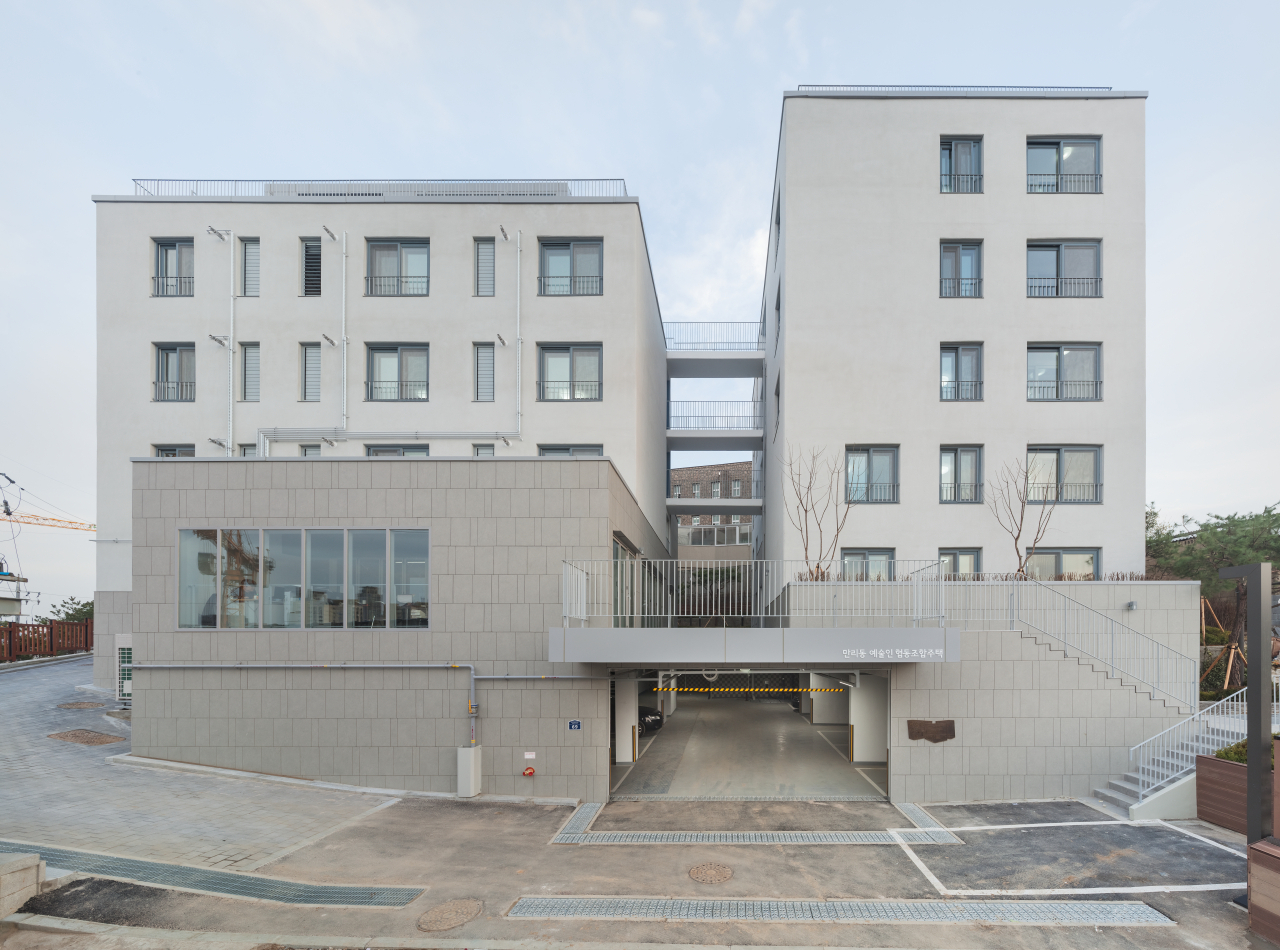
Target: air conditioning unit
x=124 y=667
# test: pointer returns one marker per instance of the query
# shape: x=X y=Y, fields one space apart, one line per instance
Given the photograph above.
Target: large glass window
x=571 y=268
x=197 y=577
x=367 y=585
x=1064 y=564
x=1069 y=372
x=570 y=373
x=324 y=579
x=281 y=578
x=1067 y=474
x=419 y=451
x=239 y=577
x=868 y=564
x=1064 y=167
x=871 y=475
x=410 y=578
x=175 y=373
x=175 y=269
x=961 y=475
x=961 y=166
x=961 y=274
x=398 y=268
x=571 y=451
x=175 y=451
x=398 y=373
x=1064 y=270
x=960 y=561
x=961 y=373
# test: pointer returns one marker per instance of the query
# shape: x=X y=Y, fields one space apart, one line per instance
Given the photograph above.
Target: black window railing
x=1083 y=390
x=555 y=390
x=961 y=390
x=397 y=286
x=1071 y=493
x=960 y=287
x=175 y=391
x=961 y=184
x=174 y=286
x=1050 y=184
x=1064 y=286
x=395 y=390
x=570 y=286
x=960 y=493
x=875 y=493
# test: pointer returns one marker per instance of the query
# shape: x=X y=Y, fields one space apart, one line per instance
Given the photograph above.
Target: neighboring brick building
x=727 y=480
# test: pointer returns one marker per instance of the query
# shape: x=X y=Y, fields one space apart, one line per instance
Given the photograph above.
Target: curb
x=42 y=661
x=138 y=761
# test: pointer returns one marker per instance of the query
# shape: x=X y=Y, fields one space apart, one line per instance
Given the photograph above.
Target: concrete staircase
x=1121 y=792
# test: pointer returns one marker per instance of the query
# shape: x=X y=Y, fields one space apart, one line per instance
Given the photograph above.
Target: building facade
x=714 y=536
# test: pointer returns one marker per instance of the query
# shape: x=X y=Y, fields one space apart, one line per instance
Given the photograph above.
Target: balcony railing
x=960 y=287
x=397 y=286
x=395 y=390
x=745 y=414
x=570 y=286
x=365 y=188
x=1064 y=286
x=1070 y=493
x=555 y=390
x=1064 y=184
x=1065 y=390
x=173 y=286
x=960 y=493
x=875 y=493
x=175 y=391
x=962 y=390
x=744 y=336
x=961 y=184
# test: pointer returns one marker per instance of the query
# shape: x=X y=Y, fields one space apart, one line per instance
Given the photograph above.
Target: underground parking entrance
x=773 y=734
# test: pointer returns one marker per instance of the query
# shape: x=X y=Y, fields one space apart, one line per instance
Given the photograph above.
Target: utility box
x=469 y=771
x=124 y=667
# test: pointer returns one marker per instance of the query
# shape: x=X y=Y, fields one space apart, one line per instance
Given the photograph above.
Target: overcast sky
x=680 y=99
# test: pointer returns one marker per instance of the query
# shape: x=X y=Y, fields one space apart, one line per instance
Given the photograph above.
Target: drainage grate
x=217 y=882
x=580 y=819
x=906 y=836
x=1068 y=912
x=919 y=817
x=747 y=798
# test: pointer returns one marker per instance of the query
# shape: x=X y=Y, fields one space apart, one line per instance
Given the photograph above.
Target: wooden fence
x=22 y=640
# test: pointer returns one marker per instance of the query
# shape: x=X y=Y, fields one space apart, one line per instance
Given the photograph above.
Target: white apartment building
x=380 y=462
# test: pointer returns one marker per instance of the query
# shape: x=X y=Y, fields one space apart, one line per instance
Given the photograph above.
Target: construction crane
x=21 y=518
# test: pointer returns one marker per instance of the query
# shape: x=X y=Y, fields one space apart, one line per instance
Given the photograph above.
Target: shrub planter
x=1221 y=792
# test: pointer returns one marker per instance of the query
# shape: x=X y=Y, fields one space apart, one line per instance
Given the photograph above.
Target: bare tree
x=815 y=508
x=1008 y=496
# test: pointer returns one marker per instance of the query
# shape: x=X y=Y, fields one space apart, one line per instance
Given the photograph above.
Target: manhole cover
x=86 y=737
x=711 y=873
x=81 y=705
x=450 y=914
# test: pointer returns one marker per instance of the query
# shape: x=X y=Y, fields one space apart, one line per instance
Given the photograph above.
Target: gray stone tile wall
x=112 y=614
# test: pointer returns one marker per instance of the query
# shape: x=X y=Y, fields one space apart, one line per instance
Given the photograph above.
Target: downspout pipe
x=519 y=341
x=344 y=329
x=231 y=352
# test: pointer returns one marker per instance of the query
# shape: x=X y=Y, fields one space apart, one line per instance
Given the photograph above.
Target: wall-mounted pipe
x=344 y=330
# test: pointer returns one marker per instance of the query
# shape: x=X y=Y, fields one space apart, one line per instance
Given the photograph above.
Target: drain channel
x=1042 y=913
x=908 y=836
x=217 y=882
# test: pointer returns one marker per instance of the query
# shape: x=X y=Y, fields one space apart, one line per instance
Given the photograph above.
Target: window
x=398 y=269
x=961 y=373
x=571 y=268
x=777 y=318
x=715 y=489
x=871 y=475
x=309 y=451
x=1064 y=564
x=961 y=274
x=484 y=267
x=250 y=269
x=249 y=450
x=961 y=475
x=250 y=377
x=175 y=372
x=1064 y=474
x=1064 y=270
x=1069 y=372
x=484 y=372
x=569 y=372
x=962 y=166
x=675 y=491
x=310 y=372
x=960 y=561
x=483 y=451
x=697 y=489
x=175 y=451
x=720 y=535
x=570 y=451
x=311 y=267
x=1064 y=167
x=398 y=451
x=397 y=373
x=736 y=488
x=869 y=564
x=250 y=578
x=175 y=268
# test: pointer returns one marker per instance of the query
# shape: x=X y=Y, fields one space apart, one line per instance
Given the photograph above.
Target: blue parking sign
x=575 y=725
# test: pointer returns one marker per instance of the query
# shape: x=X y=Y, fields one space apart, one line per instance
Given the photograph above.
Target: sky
x=680 y=99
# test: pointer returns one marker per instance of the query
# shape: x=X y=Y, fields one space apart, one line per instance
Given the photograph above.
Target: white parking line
x=871 y=783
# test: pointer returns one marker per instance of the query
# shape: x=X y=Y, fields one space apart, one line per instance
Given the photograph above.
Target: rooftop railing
x=745 y=414
x=744 y=336
x=373 y=188
x=838 y=88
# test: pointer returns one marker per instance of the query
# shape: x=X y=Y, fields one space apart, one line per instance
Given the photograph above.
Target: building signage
x=575 y=725
x=531 y=755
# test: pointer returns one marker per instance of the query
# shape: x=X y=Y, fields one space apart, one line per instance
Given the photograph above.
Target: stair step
x=1126 y=788
x=1112 y=797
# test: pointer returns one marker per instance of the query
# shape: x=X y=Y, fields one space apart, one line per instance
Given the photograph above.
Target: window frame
x=476 y=448
x=248 y=450
x=185 y=389
x=477 y=287
x=1061 y=450
x=1093 y=391
x=375 y=450
x=244 y=371
x=956 y=286
x=305 y=249
x=304 y=349
x=944 y=553
x=975 y=495
x=966 y=390
x=869 y=556
x=186 y=447
x=477 y=394
x=1058 y=552
x=372 y=289
x=1055 y=187
x=304 y=447
x=579 y=285
x=1061 y=246
x=245 y=242
x=894 y=492
x=947 y=179
x=399 y=348
x=572 y=450
x=184 y=285
x=572 y=383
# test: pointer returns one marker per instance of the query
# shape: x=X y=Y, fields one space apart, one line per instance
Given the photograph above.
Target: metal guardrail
x=175 y=391
x=963 y=390
x=570 y=286
x=386 y=188
x=1064 y=286
x=847 y=88
x=1169 y=755
x=396 y=390
x=557 y=390
x=1064 y=390
x=669 y=593
x=1069 y=493
x=397 y=286
x=959 y=286
x=741 y=414
x=960 y=493
x=750 y=488
x=961 y=184
x=173 y=286
x=740 y=336
x=1051 y=184
x=873 y=493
